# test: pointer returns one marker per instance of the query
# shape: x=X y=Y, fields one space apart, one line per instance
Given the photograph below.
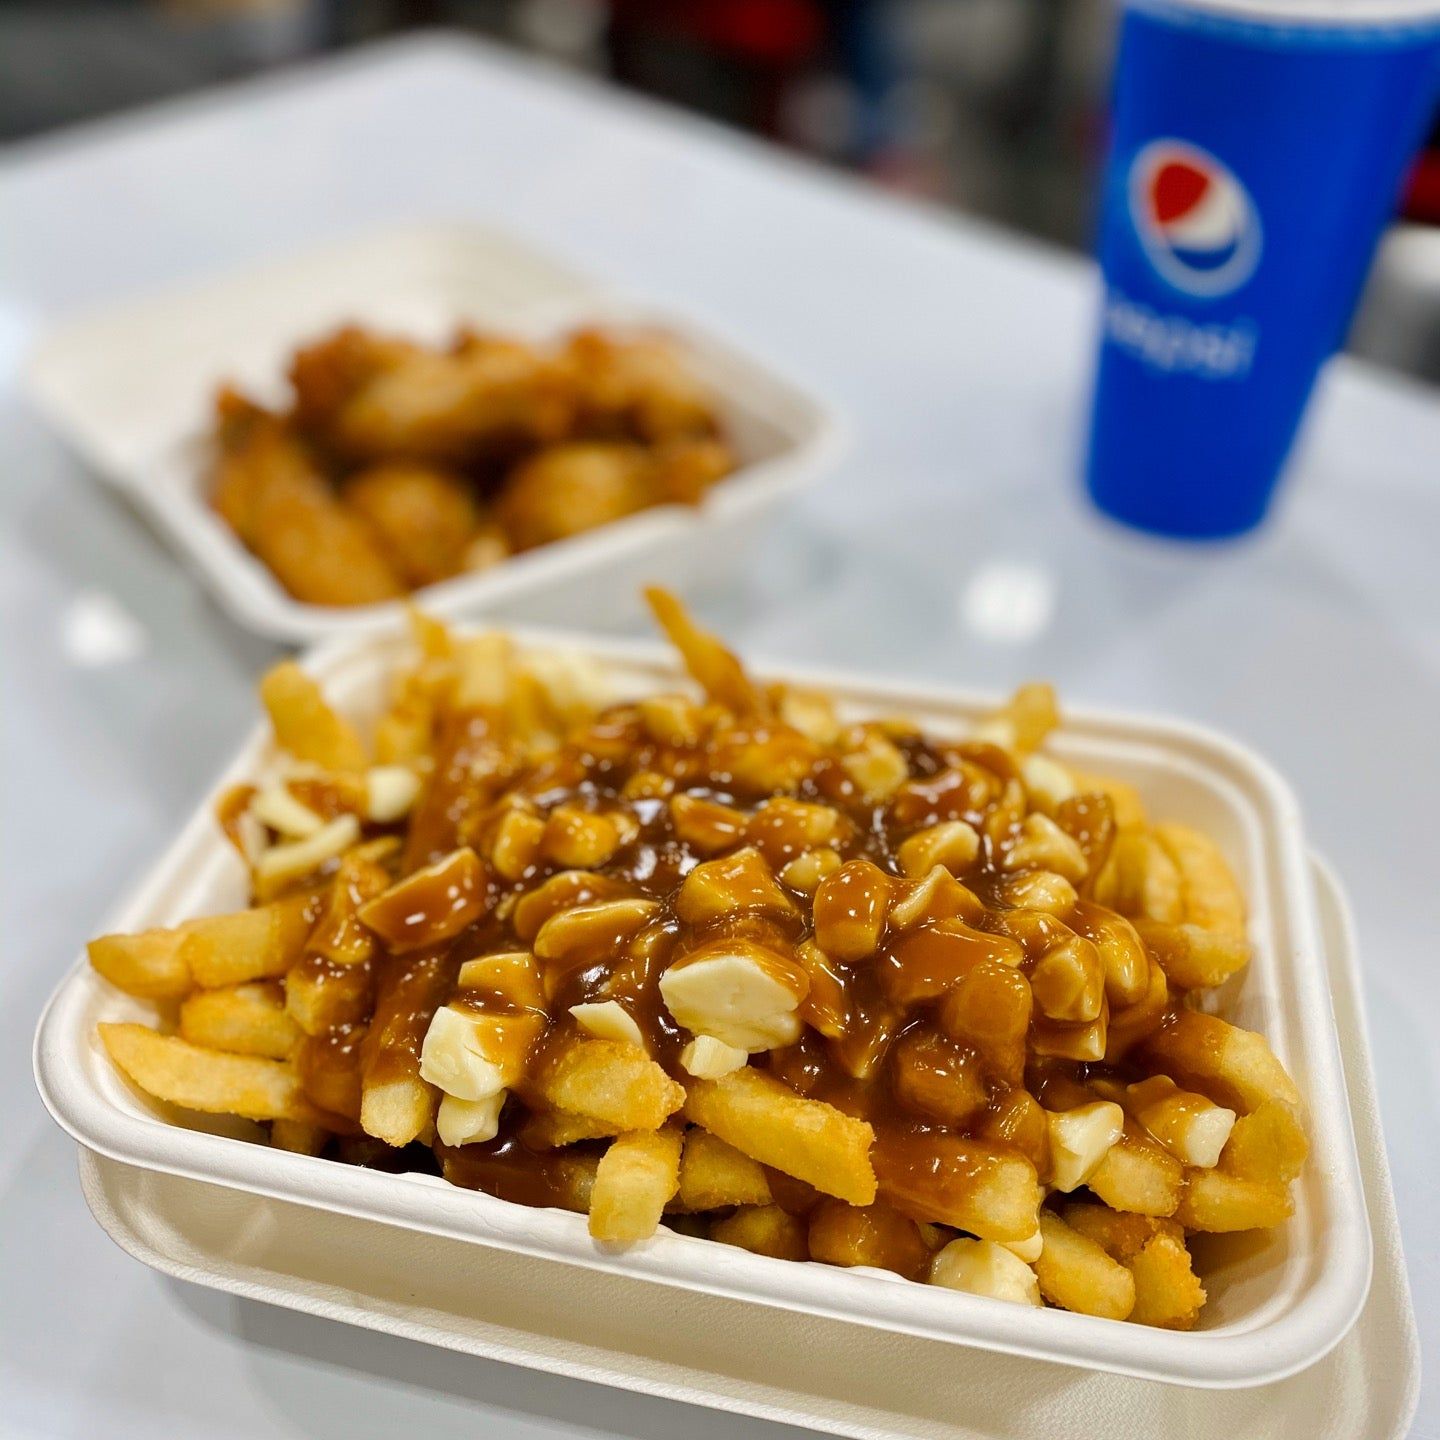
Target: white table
x=960 y=356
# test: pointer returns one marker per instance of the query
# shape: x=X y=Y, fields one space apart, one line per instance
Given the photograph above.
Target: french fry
x=304 y=723
x=1216 y=1201
x=1023 y=722
x=1122 y=1236
x=1125 y=802
x=258 y=944
x=1168 y=1294
x=1268 y=1144
x=769 y=1122
x=396 y=1111
x=1138 y=1175
x=1193 y=958
x=245 y=1019
x=329 y=1070
x=1212 y=897
x=432 y=905
x=1140 y=879
x=555 y=1129
x=484 y=671
x=718 y=673
x=300 y=1137
x=338 y=935
x=406 y=731
x=396 y=1105
x=1076 y=1274
x=149 y=964
x=988 y=1190
x=636 y=1177
x=1234 y=1067
x=764 y=1230
x=714 y=1175
x=562 y=1178
x=607 y=1080
x=321 y=995
x=876 y=1235
x=183 y=1074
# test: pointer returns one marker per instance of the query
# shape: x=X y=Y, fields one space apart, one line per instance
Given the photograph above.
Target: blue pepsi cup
x=1258 y=151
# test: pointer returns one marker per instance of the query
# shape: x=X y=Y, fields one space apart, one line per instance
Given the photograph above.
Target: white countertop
x=959 y=355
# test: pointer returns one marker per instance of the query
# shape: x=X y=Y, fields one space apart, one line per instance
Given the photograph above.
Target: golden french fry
x=433 y=638
x=876 y=1235
x=338 y=935
x=714 y=1175
x=769 y=1122
x=1268 y=1144
x=397 y=1111
x=1234 y=1067
x=329 y=1069
x=298 y=1136
x=245 y=1019
x=607 y=1080
x=635 y=1180
x=396 y=1105
x=1168 y=1294
x=1194 y=958
x=988 y=1190
x=1023 y=722
x=432 y=905
x=1122 y=1235
x=406 y=731
x=321 y=996
x=1216 y=1201
x=1211 y=895
x=1076 y=1274
x=562 y=1178
x=257 y=944
x=1138 y=1175
x=305 y=725
x=149 y=964
x=1126 y=804
x=555 y=1129
x=183 y=1074
x=485 y=671
x=764 y=1230
x=1140 y=880
x=718 y=673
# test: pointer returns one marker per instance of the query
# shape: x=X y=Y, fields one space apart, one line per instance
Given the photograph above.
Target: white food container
x=1278 y=1301
x=700 y=1349
x=131 y=389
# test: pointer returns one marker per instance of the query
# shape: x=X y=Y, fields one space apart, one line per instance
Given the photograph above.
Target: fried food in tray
x=396 y=465
x=730 y=963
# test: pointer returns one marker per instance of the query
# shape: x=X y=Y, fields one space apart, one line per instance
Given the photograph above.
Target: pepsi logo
x=1196 y=221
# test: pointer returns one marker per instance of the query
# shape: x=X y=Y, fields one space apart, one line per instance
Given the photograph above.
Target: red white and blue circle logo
x=1195 y=219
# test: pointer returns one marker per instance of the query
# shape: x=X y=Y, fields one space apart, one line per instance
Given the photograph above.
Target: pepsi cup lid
x=1339 y=13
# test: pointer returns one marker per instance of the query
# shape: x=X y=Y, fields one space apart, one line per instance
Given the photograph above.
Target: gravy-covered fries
x=734 y=963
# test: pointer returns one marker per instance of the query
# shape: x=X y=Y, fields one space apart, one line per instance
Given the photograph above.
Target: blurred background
x=994 y=106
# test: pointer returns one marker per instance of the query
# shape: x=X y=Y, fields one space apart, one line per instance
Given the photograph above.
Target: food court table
x=950 y=545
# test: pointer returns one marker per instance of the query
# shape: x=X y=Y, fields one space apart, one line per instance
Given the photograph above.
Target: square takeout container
x=1279 y=1300
x=131 y=389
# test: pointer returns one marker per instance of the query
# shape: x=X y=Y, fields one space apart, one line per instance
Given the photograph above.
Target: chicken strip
x=423 y=518
x=489 y=396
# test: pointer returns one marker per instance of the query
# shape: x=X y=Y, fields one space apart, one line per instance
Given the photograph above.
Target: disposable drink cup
x=1258 y=152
